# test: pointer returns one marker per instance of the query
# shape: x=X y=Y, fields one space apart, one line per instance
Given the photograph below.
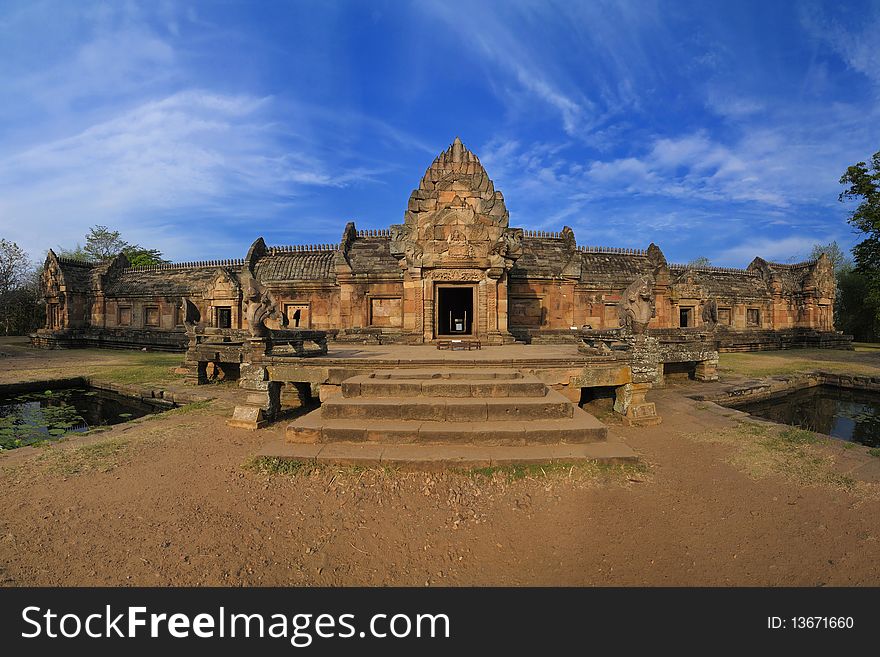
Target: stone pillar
x=425 y=302
x=481 y=309
x=491 y=305
x=630 y=402
x=501 y=291
x=263 y=401
x=646 y=366
x=261 y=407
x=660 y=380
x=707 y=370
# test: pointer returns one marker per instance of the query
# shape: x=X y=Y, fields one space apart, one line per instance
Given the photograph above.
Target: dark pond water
x=36 y=416
x=848 y=414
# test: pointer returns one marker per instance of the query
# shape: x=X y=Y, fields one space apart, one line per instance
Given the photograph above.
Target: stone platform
x=468 y=416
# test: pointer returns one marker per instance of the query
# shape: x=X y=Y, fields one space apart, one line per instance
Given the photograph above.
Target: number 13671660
x=810 y=623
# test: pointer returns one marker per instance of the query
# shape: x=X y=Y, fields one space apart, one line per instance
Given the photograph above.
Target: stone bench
x=465 y=344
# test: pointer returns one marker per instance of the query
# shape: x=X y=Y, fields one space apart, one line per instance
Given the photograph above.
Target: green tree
x=103 y=244
x=839 y=259
x=140 y=257
x=702 y=261
x=20 y=302
x=854 y=312
x=77 y=253
x=863 y=185
x=14 y=265
x=848 y=284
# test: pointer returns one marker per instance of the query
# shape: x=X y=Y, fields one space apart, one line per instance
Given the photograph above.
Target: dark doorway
x=686 y=317
x=224 y=317
x=455 y=310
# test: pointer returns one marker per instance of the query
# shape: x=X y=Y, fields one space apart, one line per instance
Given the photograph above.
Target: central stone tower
x=456 y=248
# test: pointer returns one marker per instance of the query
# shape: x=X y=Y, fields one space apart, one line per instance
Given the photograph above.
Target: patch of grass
x=795 y=436
x=98 y=457
x=874 y=451
x=798 y=455
x=866 y=346
x=139 y=369
x=794 y=361
x=191 y=407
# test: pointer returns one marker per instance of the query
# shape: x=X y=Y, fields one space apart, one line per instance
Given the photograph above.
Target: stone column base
x=629 y=401
x=260 y=408
x=706 y=370
x=247 y=417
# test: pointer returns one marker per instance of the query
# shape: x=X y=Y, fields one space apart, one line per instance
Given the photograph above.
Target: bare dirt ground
x=172 y=500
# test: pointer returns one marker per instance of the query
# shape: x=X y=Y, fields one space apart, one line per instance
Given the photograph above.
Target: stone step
x=451 y=374
x=453 y=409
x=430 y=457
x=374 y=386
x=581 y=427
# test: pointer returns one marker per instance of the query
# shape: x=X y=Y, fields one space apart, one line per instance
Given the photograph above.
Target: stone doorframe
x=475 y=307
x=477 y=278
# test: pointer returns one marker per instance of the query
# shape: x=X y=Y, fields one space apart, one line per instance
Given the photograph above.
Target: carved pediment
x=455 y=216
x=687 y=286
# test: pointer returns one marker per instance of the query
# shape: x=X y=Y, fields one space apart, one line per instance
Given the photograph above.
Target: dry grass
x=102 y=456
x=864 y=360
x=799 y=456
x=123 y=367
x=485 y=479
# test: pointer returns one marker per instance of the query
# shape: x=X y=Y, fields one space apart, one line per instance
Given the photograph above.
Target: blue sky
x=715 y=129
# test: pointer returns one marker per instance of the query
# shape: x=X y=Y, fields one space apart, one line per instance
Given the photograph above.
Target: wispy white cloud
x=856 y=42
x=787 y=249
x=522 y=41
x=191 y=151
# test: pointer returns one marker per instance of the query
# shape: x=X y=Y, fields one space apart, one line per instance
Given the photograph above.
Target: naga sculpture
x=191 y=314
x=710 y=313
x=508 y=245
x=636 y=305
x=260 y=307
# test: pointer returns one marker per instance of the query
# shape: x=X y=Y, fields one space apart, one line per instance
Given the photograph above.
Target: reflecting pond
x=848 y=414
x=37 y=416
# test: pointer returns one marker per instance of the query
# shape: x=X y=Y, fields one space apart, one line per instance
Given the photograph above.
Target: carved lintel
x=456 y=274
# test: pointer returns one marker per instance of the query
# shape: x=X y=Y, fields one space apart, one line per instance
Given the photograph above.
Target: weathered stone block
x=247 y=417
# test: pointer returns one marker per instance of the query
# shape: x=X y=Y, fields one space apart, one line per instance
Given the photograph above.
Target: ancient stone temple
x=454 y=268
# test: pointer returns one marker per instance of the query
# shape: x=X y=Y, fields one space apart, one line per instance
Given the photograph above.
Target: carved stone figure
x=509 y=245
x=191 y=314
x=636 y=305
x=260 y=307
x=710 y=313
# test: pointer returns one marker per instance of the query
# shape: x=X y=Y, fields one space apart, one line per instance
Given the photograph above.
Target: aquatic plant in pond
x=848 y=414
x=32 y=418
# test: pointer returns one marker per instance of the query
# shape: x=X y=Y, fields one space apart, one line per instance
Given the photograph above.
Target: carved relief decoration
x=456 y=215
x=456 y=274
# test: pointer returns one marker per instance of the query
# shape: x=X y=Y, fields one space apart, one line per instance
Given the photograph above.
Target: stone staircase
x=390 y=414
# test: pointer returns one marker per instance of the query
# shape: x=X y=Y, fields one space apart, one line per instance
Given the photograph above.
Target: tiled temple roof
x=373 y=254
x=77 y=273
x=606 y=270
x=722 y=282
x=306 y=265
x=163 y=280
x=542 y=257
